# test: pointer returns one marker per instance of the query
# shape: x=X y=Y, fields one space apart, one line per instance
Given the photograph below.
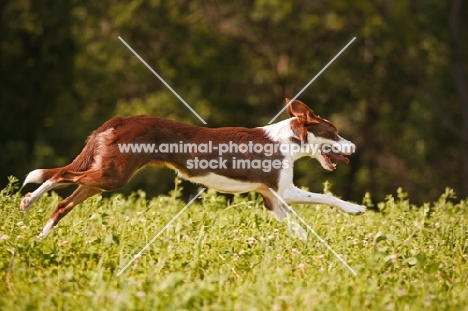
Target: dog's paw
x=353 y=209
x=47 y=228
x=25 y=202
x=295 y=230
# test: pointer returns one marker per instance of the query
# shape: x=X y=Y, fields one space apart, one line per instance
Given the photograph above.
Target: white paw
x=295 y=229
x=352 y=208
x=47 y=228
x=25 y=202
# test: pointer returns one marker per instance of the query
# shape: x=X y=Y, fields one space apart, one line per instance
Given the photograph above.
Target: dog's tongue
x=338 y=157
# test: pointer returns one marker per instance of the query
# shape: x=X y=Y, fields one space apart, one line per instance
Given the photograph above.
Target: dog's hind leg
x=91 y=182
x=62 y=177
x=44 y=176
x=282 y=213
x=66 y=205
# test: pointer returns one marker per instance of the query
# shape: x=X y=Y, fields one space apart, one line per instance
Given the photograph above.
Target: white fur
x=30 y=198
x=34 y=177
x=49 y=226
x=224 y=184
x=103 y=139
x=280 y=132
x=349 y=144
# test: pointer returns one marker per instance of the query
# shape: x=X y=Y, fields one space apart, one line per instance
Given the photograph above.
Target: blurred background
x=400 y=91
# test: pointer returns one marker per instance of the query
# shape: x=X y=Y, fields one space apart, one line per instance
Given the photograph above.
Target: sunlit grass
x=234 y=255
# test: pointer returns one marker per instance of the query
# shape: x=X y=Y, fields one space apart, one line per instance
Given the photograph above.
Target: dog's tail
x=40 y=175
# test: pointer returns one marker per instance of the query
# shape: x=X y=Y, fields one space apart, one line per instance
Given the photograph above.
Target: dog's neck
x=282 y=133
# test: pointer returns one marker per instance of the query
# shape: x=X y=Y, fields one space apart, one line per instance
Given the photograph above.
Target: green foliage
x=234 y=255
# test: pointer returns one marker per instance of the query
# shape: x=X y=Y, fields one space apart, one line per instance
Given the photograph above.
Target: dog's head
x=320 y=134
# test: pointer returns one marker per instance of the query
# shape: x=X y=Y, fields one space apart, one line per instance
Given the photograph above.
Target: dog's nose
x=347 y=147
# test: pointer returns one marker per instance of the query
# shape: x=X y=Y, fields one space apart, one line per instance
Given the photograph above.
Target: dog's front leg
x=282 y=213
x=294 y=195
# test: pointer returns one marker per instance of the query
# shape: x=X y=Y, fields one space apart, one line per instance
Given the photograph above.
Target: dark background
x=400 y=91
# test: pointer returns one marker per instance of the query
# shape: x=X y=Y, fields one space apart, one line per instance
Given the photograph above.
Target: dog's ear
x=299 y=130
x=302 y=112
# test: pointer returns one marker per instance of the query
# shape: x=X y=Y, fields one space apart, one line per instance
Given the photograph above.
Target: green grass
x=234 y=255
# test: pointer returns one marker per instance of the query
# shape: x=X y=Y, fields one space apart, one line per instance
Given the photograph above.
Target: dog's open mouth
x=331 y=155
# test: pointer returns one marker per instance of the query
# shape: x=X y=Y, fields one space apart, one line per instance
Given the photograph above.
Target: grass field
x=221 y=255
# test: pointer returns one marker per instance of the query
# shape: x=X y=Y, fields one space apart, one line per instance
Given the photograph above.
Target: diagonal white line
x=313 y=79
x=162 y=80
x=160 y=232
x=315 y=233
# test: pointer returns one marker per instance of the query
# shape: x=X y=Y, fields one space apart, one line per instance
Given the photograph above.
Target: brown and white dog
x=104 y=165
